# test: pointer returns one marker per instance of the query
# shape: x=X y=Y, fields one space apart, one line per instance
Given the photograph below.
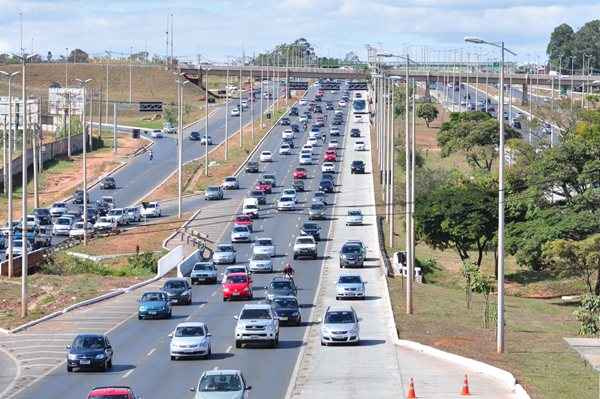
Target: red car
x=264 y=187
x=299 y=173
x=237 y=285
x=330 y=156
x=112 y=392
x=243 y=221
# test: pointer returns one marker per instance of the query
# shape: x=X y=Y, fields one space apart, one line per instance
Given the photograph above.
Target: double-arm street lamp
x=83 y=84
x=500 y=327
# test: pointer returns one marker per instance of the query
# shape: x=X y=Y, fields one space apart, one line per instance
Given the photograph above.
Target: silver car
x=350 y=286
x=264 y=245
x=134 y=214
x=240 y=234
x=221 y=384
x=260 y=263
x=354 y=217
x=230 y=183
x=204 y=272
x=189 y=340
x=316 y=211
x=224 y=254
x=340 y=326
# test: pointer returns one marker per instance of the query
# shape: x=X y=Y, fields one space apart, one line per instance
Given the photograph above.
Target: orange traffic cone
x=465 y=389
x=411 y=390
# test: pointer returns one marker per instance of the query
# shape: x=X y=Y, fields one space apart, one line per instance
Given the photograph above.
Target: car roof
x=280 y=279
x=238 y=274
x=340 y=308
x=256 y=306
x=191 y=324
x=116 y=390
x=222 y=372
x=176 y=279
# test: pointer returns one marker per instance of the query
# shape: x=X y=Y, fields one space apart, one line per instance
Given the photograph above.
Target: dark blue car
x=154 y=305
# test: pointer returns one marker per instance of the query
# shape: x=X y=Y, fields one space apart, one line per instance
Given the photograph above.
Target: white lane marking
x=188 y=318
x=214 y=293
x=127 y=374
x=201 y=306
x=229 y=349
x=151 y=352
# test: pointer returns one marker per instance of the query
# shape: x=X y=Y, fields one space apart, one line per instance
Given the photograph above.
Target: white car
x=260 y=263
x=285 y=149
x=264 y=245
x=58 y=209
x=305 y=159
x=354 y=217
x=266 y=156
x=313 y=141
x=290 y=192
x=230 y=183
x=349 y=286
x=190 y=339
x=204 y=272
x=206 y=140
x=151 y=209
x=133 y=214
x=340 y=325
x=303 y=118
x=62 y=226
x=305 y=246
x=31 y=221
x=328 y=167
x=334 y=131
x=253 y=318
x=286 y=203
x=342 y=103
x=156 y=134
x=18 y=247
x=235 y=112
x=224 y=253
x=302 y=101
x=240 y=234
x=77 y=229
x=118 y=215
x=287 y=134
x=359 y=146
x=333 y=144
x=314 y=134
x=105 y=224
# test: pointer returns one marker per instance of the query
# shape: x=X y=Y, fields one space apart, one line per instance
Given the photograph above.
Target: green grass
x=535 y=350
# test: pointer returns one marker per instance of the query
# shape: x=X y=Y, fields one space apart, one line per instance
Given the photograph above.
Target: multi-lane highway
x=142 y=347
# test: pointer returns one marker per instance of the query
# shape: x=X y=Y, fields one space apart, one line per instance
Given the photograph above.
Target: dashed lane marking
x=127 y=374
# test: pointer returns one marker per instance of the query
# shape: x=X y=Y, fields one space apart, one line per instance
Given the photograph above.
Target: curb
x=82 y=303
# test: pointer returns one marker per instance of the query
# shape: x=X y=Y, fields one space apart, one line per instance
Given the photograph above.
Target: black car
x=311 y=229
x=289 y=141
x=352 y=253
x=357 y=167
x=287 y=310
x=281 y=286
x=294 y=111
x=178 y=291
x=78 y=197
x=102 y=208
x=298 y=185
x=91 y=351
x=259 y=195
x=43 y=215
x=108 y=183
x=337 y=121
x=326 y=186
x=318 y=109
x=252 y=167
x=91 y=214
x=354 y=132
x=295 y=128
x=195 y=136
x=285 y=121
x=319 y=99
x=329 y=107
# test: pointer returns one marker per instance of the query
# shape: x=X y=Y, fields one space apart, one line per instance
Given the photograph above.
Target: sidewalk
x=376 y=368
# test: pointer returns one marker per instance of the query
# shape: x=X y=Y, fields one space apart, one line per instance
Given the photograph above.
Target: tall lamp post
x=206 y=123
x=8 y=180
x=180 y=84
x=500 y=328
x=83 y=84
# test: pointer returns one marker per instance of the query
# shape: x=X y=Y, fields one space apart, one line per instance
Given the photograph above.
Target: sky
x=218 y=29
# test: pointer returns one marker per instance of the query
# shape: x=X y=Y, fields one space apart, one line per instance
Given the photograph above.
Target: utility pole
x=114 y=127
x=241 y=111
x=83 y=84
x=206 y=125
x=262 y=67
x=69 y=128
x=67 y=69
x=130 y=72
x=107 y=88
x=251 y=99
x=409 y=266
x=226 y=114
x=25 y=252
x=392 y=167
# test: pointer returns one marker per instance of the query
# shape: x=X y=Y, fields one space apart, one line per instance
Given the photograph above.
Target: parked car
x=192 y=339
x=154 y=305
x=89 y=351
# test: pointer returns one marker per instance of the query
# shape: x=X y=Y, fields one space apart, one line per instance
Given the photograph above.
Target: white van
x=250 y=207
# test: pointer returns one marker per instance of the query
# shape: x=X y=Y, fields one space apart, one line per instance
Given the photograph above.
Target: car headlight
x=143 y=308
x=100 y=356
x=72 y=356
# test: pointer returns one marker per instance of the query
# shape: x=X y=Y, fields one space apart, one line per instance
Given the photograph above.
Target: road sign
x=151 y=106
x=298 y=85
x=357 y=86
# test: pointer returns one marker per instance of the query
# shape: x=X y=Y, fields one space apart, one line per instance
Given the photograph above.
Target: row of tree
x=566 y=43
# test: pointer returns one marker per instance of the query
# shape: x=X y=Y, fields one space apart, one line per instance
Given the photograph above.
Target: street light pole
x=407 y=192
x=251 y=99
x=206 y=125
x=83 y=84
x=227 y=114
x=241 y=110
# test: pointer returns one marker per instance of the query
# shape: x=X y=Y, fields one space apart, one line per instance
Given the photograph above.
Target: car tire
x=238 y=344
x=323 y=343
x=139 y=317
x=295 y=256
x=173 y=357
x=109 y=365
x=337 y=298
x=170 y=315
x=209 y=354
x=69 y=369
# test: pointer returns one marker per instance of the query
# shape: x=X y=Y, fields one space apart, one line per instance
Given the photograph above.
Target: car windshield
x=349 y=280
x=236 y=279
x=88 y=342
x=350 y=249
x=212 y=189
x=225 y=248
x=260 y=257
x=319 y=195
x=281 y=285
x=175 y=284
x=189 y=331
x=63 y=221
x=59 y=205
x=285 y=303
x=240 y=229
x=230 y=179
x=78 y=225
x=354 y=213
x=302 y=240
x=249 y=314
x=339 y=317
x=263 y=242
x=316 y=207
x=203 y=267
x=235 y=270
x=153 y=296
x=269 y=177
x=220 y=383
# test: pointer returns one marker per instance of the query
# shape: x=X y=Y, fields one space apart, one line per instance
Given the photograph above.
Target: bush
x=588 y=314
x=143 y=263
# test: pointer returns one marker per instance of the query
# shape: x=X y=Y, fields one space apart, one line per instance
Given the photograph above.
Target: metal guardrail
x=386 y=260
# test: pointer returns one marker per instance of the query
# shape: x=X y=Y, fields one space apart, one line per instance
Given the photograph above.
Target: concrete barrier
x=170 y=261
x=186 y=266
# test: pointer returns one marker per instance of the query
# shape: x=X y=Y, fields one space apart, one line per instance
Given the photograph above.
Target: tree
x=459 y=214
x=49 y=56
x=588 y=314
x=351 y=58
x=477 y=134
x=170 y=115
x=569 y=258
x=561 y=44
x=586 y=41
x=428 y=112
x=79 y=55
